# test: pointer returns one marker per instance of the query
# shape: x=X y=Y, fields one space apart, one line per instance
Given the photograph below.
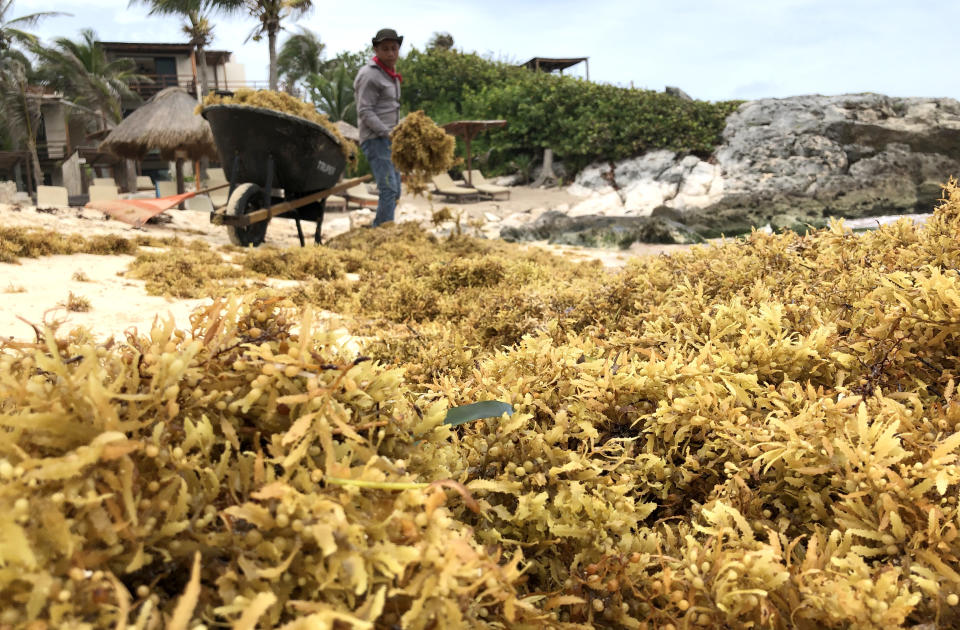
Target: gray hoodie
x=377 y=95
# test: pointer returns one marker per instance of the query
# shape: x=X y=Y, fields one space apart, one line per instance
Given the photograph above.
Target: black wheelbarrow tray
x=264 y=151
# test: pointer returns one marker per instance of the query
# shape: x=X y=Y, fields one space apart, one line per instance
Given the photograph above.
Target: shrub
x=581 y=121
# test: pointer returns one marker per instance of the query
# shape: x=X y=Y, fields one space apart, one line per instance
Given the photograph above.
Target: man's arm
x=366 y=94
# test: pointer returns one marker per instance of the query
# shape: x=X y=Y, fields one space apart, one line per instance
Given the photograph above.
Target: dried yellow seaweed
x=285 y=103
x=760 y=433
x=420 y=149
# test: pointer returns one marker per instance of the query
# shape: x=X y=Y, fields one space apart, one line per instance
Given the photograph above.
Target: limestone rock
x=600 y=231
x=793 y=161
x=361 y=218
x=603 y=203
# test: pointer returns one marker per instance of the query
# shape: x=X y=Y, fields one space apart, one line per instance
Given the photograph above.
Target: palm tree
x=82 y=73
x=440 y=41
x=11 y=28
x=19 y=107
x=300 y=56
x=197 y=26
x=332 y=94
x=271 y=13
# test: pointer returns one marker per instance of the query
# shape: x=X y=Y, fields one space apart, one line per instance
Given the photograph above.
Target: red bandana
x=393 y=73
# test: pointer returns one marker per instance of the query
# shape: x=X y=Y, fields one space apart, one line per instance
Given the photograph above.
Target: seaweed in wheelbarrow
x=265 y=151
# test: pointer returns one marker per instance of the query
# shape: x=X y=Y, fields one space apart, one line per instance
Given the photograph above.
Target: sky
x=711 y=49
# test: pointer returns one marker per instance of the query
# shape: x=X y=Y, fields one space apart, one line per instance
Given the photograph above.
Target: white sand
x=35 y=289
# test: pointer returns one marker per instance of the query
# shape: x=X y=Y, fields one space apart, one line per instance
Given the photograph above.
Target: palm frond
x=81 y=71
x=33 y=18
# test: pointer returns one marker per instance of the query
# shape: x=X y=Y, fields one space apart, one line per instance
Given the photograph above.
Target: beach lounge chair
x=215 y=178
x=202 y=203
x=218 y=197
x=166 y=189
x=104 y=192
x=52 y=197
x=336 y=203
x=145 y=184
x=359 y=197
x=445 y=186
x=478 y=181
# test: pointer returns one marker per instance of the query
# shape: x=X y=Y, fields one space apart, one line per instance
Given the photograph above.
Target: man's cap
x=387 y=33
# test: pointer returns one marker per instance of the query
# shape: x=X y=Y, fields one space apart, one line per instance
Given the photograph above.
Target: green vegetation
x=331 y=89
x=271 y=14
x=94 y=85
x=301 y=55
x=581 y=121
x=438 y=80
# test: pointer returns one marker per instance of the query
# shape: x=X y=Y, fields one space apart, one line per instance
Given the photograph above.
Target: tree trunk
x=272 y=43
x=130 y=175
x=202 y=68
x=37 y=173
x=180 y=187
x=547 y=177
x=31 y=138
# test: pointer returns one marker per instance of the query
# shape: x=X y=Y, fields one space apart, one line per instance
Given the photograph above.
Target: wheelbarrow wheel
x=246 y=198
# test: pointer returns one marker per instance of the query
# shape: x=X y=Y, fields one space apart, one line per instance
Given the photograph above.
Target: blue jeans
x=387 y=176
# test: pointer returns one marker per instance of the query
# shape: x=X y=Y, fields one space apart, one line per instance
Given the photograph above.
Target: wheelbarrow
x=264 y=152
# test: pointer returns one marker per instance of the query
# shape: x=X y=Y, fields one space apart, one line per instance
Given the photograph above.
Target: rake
x=136 y=212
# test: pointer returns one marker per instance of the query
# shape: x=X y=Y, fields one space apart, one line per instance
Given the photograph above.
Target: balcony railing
x=56 y=151
x=160 y=81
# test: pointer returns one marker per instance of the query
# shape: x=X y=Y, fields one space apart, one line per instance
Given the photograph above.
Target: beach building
x=169 y=65
x=68 y=148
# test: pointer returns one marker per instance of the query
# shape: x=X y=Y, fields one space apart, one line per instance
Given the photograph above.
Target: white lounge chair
x=218 y=197
x=445 y=186
x=104 y=192
x=103 y=181
x=336 y=203
x=52 y=197
x=202 y=203
x=478 y=181
x=165 y=189
x=144 y=184
x=359 y=197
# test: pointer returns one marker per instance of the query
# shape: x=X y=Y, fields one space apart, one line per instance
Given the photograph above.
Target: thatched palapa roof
x=348 y=131
x=166 y=123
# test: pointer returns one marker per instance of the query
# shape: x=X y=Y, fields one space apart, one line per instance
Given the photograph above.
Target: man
x=377 y=93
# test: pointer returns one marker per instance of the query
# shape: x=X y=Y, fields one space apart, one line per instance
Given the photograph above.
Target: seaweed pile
x=420 y=149
x=284 y=103
x=16 y=242
x=761 y=433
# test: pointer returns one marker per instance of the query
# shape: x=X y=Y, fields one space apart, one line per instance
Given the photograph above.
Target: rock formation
x=790 y=162
x=600 y=231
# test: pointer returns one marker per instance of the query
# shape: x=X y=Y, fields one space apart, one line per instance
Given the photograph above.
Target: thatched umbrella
x=348 y=131
x=468 y=129
x=166 y=122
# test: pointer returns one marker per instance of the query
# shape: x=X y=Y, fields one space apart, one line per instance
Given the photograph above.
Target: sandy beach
x=36 y=290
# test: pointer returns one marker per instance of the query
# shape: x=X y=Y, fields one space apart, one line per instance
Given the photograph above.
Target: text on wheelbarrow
x=326 y=168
